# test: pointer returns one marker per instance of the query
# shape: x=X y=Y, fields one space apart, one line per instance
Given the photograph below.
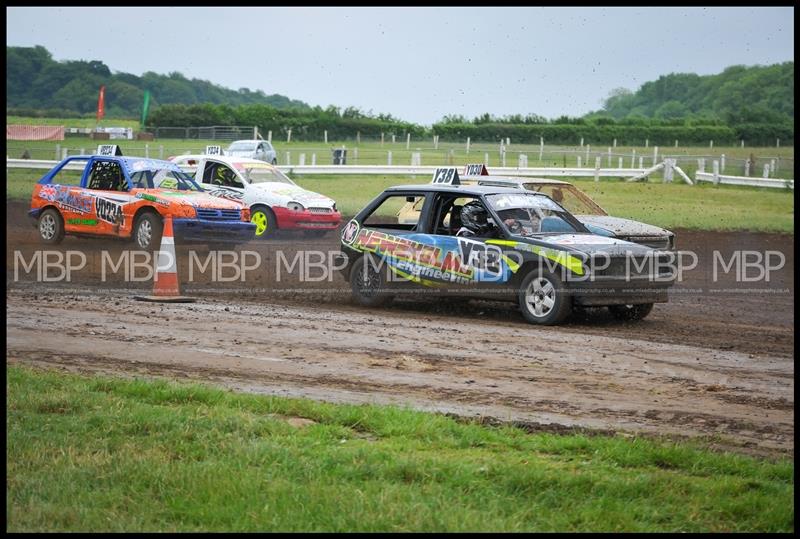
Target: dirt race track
x=715 y=362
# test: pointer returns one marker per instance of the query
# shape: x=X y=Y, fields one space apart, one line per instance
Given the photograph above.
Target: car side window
x=447 y=214
x=107 y=176
x=389 y=213
x=222 y=175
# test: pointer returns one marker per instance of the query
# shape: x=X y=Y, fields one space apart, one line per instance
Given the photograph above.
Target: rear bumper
x=289 y=219
x=201 y=231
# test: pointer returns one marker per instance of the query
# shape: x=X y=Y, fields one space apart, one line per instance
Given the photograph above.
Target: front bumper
x=202 y=230
x=616 y=291
x=306 y=220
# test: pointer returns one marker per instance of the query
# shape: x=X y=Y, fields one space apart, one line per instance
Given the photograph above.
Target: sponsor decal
x=152 y=198
x=68 y=199
x=84 y=222
x=47 y=192
x=587 y=239
x=570 y=262
x=350 y=231
x=222 y=192
x=109 y=211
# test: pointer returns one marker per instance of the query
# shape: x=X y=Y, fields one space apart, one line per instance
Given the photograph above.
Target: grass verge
x=98 y=453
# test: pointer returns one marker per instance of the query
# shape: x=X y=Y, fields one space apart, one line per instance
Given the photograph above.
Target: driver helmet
x=475 y=218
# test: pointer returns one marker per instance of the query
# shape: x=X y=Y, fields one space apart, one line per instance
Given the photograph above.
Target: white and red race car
x=275 y=201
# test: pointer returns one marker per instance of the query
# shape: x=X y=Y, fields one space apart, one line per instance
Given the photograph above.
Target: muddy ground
x=715 y=362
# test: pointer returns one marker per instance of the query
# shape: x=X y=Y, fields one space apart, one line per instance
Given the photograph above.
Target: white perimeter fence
x=668 y=167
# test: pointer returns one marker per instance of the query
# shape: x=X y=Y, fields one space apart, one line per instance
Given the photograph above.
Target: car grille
x=219 y=215
x=633 y=266
x=654 y=242
x=320 y=210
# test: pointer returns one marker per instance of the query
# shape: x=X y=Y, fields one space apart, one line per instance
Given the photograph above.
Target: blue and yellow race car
x=497 y=243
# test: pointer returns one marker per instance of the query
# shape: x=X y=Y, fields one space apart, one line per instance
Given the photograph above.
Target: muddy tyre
x=368 y=281
x=147 y=232
x=630 y=313
x=51 y=227
x=542 y=298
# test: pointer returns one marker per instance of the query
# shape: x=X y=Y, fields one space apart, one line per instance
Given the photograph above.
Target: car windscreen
x=571 y=198
x=242 y=147
x=527 y=214
x=258 y=174
x=164 y=179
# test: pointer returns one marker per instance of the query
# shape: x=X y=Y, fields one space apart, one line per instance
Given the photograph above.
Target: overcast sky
x=417 y=64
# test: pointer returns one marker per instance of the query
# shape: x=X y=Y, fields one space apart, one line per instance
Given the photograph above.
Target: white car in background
x=275 y=201
x=261 y=150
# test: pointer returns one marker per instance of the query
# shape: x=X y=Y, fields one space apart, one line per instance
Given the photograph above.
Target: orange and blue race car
x=129 y=197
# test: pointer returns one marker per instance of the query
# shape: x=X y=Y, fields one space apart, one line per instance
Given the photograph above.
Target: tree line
x=754 y=104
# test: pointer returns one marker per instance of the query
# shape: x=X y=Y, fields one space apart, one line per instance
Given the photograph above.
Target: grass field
x=104 y=454
x=72 y=122
x=704 y=207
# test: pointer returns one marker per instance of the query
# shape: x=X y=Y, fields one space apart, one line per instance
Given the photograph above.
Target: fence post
x=523 y=161
x=58 y=152
x=288 y=136
x=358 y=137
x=313 y=159
x=766 y=170
x=711 y=143
x=716 y=171
x=302 y=160
x=394 y=138
x=641 y=161
x=64 y=153
x=147 y=150
x=655 y=155
x=742 y=143
x=355 y=156
x=701 y=165
x=772 y=166
x=588 y=147
x=325 y=134
x=408 y=141
x=647 y=143
x=83 y=152
x=288 y=158
x=676 y=143
x=541 y=147
x=668 y=170
x=615 y=143
x=609 y=157
x=486 y=158
x=416 y=159
x=633 y=159
x=381 y=138
x=722 y=163
x=777 y=143
x=747 y=167
x=467 y=144
x=503 y=157
x=579 y=162
x=597 y=168
x=620 y=162
x=389 y=158
x=581 y=142
x=161 y=151
x=269 y=137
x=435 y=142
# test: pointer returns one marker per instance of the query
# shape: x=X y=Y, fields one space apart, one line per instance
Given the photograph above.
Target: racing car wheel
x=368 y=280
x=542 y=298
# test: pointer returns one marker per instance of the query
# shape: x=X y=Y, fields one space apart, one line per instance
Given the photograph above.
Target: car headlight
x=295 y=206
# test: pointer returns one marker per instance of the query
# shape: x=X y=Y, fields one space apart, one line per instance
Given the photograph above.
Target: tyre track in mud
x=465 y=366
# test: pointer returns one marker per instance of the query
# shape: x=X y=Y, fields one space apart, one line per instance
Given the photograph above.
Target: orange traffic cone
x=166 y=287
